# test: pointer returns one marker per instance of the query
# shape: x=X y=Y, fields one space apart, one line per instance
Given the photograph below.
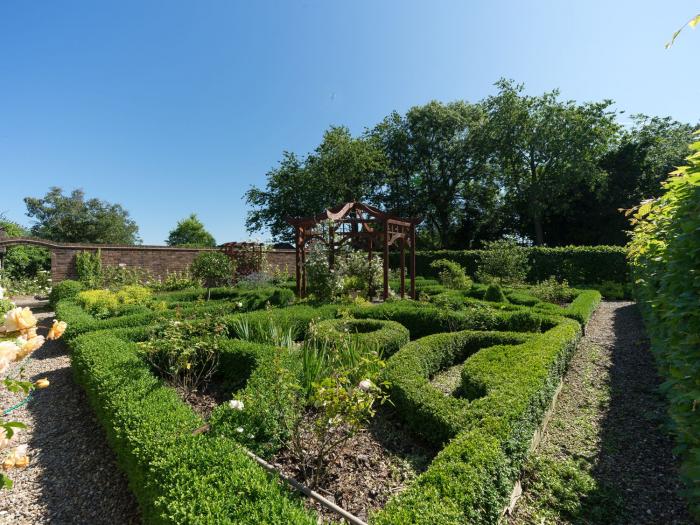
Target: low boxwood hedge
x=471 y=478
x=176 y=477
x=79 y=321
x=426 y=319
x=386 y=336
x=424 y=408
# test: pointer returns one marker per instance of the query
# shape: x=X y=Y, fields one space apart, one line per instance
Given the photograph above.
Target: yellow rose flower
x=8 y=351
x=4 y=441
x=29 y=345
x=42 y=383
x=19 y=319
x=56 y=330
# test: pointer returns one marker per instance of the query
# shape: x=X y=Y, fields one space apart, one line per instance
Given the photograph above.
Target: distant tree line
x=537 y=168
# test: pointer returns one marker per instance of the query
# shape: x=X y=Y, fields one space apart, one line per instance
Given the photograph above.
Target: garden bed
x=432 y=457
x=372 y=466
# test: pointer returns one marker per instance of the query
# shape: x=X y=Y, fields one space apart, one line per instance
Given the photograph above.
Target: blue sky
x=172 y=107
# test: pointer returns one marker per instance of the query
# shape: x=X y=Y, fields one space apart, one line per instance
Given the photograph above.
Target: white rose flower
x=239 y=430
x=236 y=404
x=366 y=385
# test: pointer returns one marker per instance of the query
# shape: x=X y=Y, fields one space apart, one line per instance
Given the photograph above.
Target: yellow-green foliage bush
x=105 y=303
x=100 y=303
x=134 y=294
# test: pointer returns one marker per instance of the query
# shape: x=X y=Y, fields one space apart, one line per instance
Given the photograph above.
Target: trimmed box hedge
x=175 y=476
x=386 y=336
x=577 y=264
x=471 y=478
x=509 y=377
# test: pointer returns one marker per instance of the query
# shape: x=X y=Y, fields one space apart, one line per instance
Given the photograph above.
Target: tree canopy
x=534 y=167
x=341 y=169
x=72 y=218
x=190 y=232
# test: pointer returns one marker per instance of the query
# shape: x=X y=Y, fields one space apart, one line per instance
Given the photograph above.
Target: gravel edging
x=72 y=476
x=608 y=433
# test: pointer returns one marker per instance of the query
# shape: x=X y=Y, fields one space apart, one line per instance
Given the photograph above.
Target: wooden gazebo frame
x=363 y=226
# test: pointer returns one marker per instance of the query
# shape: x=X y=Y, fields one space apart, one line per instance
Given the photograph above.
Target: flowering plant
x=18 y=339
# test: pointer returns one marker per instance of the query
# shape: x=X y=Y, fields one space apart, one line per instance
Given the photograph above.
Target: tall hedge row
x=665 y=260
x=576 y=264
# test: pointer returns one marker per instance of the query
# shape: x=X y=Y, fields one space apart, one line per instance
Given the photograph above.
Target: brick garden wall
x=158 y=260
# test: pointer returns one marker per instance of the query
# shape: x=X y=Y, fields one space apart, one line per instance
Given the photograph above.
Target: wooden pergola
x=363 y=227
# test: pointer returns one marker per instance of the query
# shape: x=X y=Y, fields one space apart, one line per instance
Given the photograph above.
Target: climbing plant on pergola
x=363 y=227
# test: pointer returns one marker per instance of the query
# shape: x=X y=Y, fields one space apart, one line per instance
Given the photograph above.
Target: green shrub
x=213 y=269
x=503 y=261
x=425 y=409
x=175 y=476
x=64 y=290
x=494 y=293
x=553 y=291
x=5 y=306
x=579 y=265
x=99 y=303
x=470 y=480
x=134 y=294
x=174 y=281
x=384 y=336
x=451 y=274
x=664 y=258
x=88 y=266
x=425 y=319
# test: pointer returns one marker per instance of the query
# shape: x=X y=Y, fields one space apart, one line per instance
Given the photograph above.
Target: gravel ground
x=610 y=422
x=72 y=476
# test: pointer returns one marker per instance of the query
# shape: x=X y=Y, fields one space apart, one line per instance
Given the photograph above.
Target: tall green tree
x=546 y=149
x=635 y=168
x=190 y=232
x=436 y=152
x=72 y=218
x=341 y=169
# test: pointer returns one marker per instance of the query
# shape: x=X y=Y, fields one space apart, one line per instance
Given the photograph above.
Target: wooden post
x=386 y=260
x=403 y=267
x=298 y=260
x=303 y=267
x=413 y=261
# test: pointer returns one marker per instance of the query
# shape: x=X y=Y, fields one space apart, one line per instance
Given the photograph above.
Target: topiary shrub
x=495 y=294
x=64 y=290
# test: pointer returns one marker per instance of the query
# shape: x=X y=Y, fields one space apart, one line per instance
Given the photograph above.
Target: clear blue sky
x=173 y=107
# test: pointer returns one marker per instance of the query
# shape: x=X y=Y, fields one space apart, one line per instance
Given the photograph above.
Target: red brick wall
x=158 y=260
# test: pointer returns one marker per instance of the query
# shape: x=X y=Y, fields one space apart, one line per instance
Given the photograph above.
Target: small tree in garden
x=213 y=269
x=503 y=261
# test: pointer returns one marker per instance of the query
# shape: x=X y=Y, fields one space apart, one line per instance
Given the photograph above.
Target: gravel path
x=606 y=457
x=72 y=476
